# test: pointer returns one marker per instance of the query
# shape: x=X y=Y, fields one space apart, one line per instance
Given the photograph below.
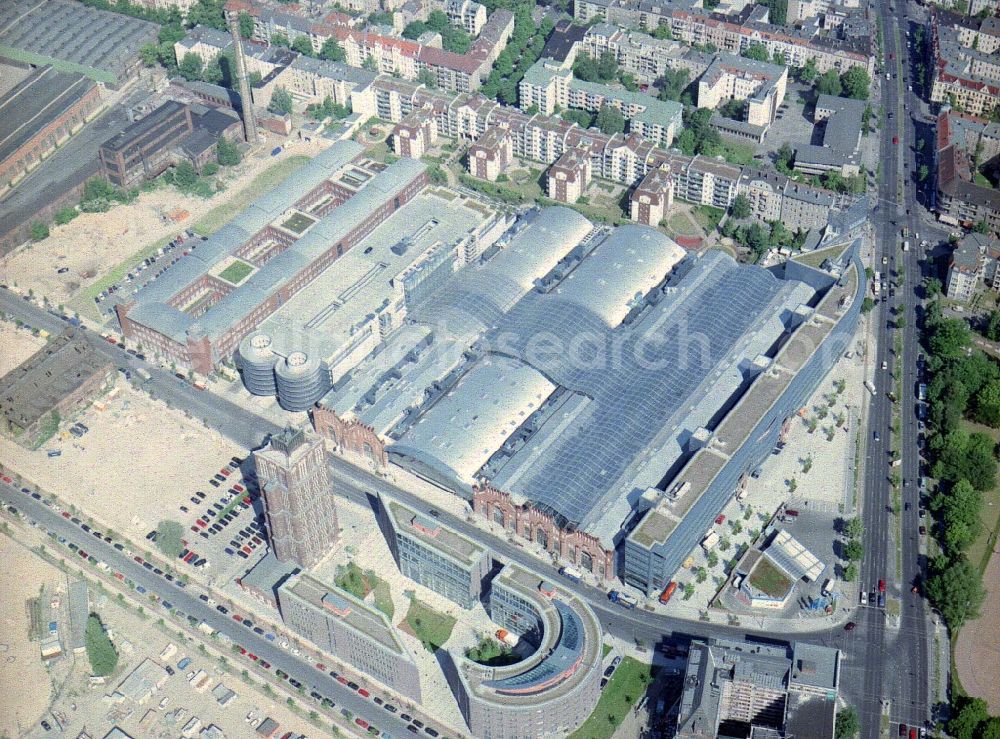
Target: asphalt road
x=184 y=600
x=896 y=662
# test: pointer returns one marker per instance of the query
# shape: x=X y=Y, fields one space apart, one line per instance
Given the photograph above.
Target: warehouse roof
x=37 y=386
x=35 y=103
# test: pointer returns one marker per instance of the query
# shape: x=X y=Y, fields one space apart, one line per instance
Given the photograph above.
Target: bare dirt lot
x=138 y=463
x=977 y=650
x=95 y=243
x=21 y=576
x=18 y=344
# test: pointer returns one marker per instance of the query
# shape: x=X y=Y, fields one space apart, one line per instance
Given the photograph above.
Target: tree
x=992 y=331
x=100 y=651
x=303 y=45
x=672 y=84
x=848 y=724
x=987 y=405
x=185 y=176
x=851 y=572
x=663 y=33
x=332 y=51
x=607 y=67
x=758 y=52
x=191 y=67
x=959 y=510
x=854 y=528
x=854 y=550
x=426 y=77
x=65 y=214
x=783 y=158
x=965 y=456
x=923 y=172
x=455 y=40
x=964 y=723
x=150 y=54
x=808 y=71
x=609 y=120
x=279 y=39
x=981 y=227
x=829 y=83
x=246 y=24
x=856 y=83
x=991 y=728
x=168 y=538
x=580 y=117
x=933 y=287
x=585 y=68
x=740 y=207
x=955 y=589
x=38 y=231
x=948 y=337
x=628 y=81
x=227 y=153
x=867 y=305
x=281 y=101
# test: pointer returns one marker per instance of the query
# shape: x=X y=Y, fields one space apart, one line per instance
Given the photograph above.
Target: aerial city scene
x=499 y=369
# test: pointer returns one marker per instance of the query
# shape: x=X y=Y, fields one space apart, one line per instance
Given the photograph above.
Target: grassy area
x=605 y=648
x=625 y=687
x=603 y=213
x=360 y=583
x=47 y=430
x=492 y=653
x=223 y=214
x=100 y=651
x=236 y=272
x=680 y=223
x=59 y=65
x=298 y=222
x=707 y=217
x=737 y=153
x=769 y=580
x=429 y=626
x=989 y=514
x=816 y=258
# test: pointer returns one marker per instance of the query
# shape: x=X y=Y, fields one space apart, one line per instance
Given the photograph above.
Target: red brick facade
x=352 y=436
x=578 y=548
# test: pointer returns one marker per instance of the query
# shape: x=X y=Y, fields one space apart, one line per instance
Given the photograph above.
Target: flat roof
x=791 y=556
x=352 y=612
x=431 y=533
x=35 y=103
x=815 y=666
x=39 y=384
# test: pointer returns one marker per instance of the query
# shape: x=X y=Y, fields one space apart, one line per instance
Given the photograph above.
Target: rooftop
x=35 y=103
x=433 y=534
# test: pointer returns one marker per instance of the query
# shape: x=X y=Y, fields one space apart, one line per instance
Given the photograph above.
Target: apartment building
x=966 y=55
x=736 y=32
x=466 y=14
x=964 y=143
x=652 y=198
x=759 y=84
x=350 y=630
x=965 y=269
x=641 y=55
x=546 y=86
x=432 y=554
x=491 y=154
x=569 y=176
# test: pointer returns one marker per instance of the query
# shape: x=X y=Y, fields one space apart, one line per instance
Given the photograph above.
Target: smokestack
x=249 y=121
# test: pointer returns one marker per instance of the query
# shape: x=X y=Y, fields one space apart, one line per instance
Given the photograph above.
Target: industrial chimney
x=249 y=121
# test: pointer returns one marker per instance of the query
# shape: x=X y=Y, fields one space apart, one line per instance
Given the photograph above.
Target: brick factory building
x=39 y=114
x=53 y=383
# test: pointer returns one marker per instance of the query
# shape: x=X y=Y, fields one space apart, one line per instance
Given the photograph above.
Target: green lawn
x=605 y=648
x=625 y=687
x=680 y=224
x=769 y=579
x=492 y=653
x=223 y=214
x=360 y=583
x=100 y=651
x=989 y=514
x=707 y=217
x=236 y=272
x=429 y=626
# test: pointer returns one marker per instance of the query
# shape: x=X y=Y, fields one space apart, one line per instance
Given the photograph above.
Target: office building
x=298 y=497
x=839 y=151
x=552 y=691
x=350 y=630
x=433 y=555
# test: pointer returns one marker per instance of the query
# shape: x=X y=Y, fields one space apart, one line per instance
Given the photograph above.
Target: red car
x=7 y=480
x=895 y=140
x=65 y=514
x=242 y=650
x=320 y=666
x=225 y=472
x=881 y=586
x=265 y=665
x=720 y=519
x=238 y=488
x=361 y=722
x=364 y=693
x=341 y=679
x=253 y=656
x=237 y=618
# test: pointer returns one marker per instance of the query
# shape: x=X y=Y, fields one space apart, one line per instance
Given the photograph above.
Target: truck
x=144 y=374
x=710 y=540
x=668 y=592
x=906 y=246
x=571 y=573
x=204 y=627
x=876 y=283
x=625 y=600
x=506 y=637
x=870 y=387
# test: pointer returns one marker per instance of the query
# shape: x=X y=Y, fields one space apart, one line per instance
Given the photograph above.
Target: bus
x=668 y=592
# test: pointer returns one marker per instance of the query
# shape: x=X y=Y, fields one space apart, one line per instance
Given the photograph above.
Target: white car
x=885 y=365
x=864 y=598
